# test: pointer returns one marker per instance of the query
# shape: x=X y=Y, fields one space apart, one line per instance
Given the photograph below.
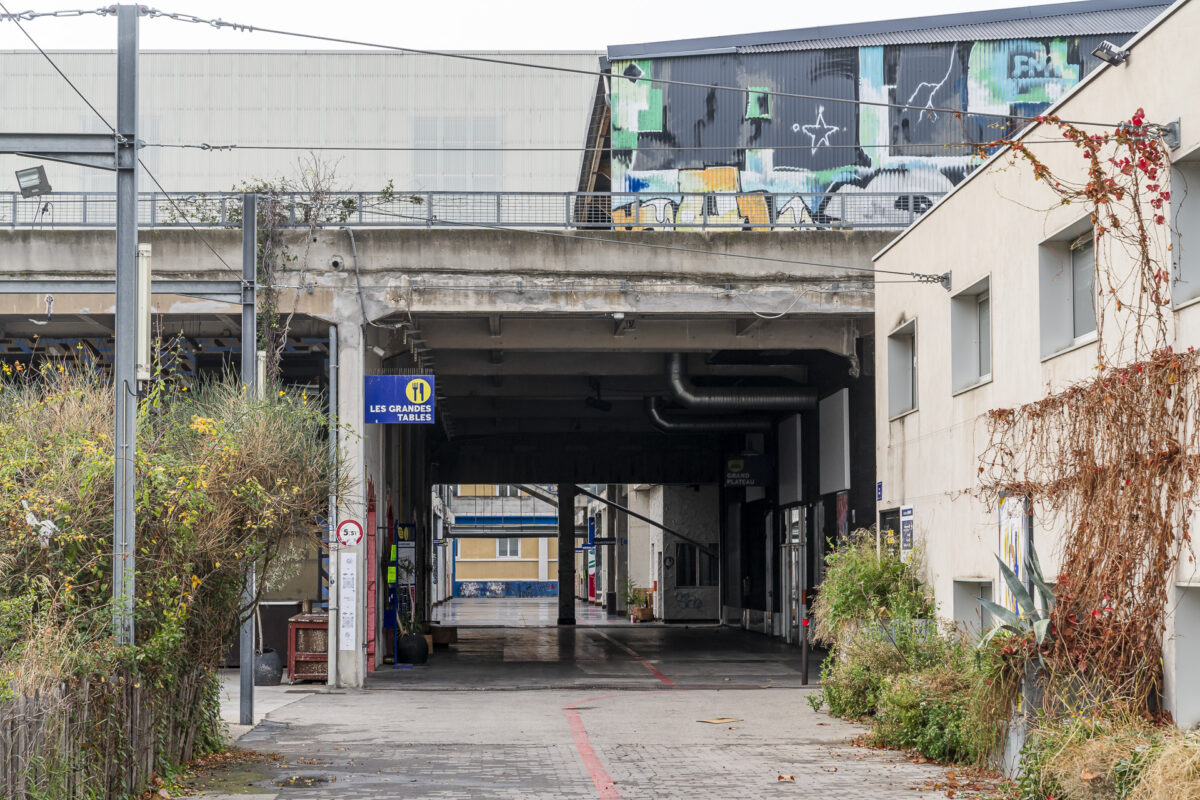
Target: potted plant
x=636 y=601
x=411 y=646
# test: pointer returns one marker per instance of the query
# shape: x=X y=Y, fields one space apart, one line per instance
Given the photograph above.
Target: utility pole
x=125 y=346
x=252 y=389
x=116 y=151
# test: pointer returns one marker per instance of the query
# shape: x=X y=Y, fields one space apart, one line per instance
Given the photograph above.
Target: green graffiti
x=637 y=105
x=758 y=103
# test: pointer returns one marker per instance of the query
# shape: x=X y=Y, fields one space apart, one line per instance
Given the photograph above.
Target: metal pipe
x=709 y=424
x=735 y=398
x=331 y=669
x=249 y=385
x=566 y=554
x=700 y=545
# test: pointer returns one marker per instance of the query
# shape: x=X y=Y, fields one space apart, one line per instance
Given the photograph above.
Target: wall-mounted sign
x=349 y=532
x=747 y=470
x=906 y=532
x=348 y=609
x=878 y=490
x=398 y=399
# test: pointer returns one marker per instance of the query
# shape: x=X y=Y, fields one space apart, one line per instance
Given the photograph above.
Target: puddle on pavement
x=302 y=781
x=235 y=779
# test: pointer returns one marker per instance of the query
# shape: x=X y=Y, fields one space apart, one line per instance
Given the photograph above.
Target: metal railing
x=751 y=211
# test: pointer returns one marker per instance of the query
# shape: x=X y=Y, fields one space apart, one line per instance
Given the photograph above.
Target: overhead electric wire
x=13 y=18
x=183 y=216
x=584 y=149
x=237 y=26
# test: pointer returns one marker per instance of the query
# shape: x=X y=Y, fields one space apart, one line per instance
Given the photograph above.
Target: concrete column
x=566 y=554
x=621 y=552
x=610 y=552
x=357 y=455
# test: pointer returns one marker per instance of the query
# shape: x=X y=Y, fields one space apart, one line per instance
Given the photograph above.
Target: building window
x=1185 y=252
x=507 y=490
x=1067 y=283
x=508 y=548
x=902 y=369
x=694 y=567
x=1083 y=286
x=971 y=336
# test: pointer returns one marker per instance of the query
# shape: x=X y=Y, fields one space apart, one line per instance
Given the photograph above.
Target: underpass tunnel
x=748 y=458
x=749 y=494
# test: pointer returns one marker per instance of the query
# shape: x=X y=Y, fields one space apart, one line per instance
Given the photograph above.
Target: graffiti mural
x=506 y=588
x=809 y=161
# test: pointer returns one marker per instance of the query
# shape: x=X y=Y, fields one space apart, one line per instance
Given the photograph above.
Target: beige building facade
x=1019 y=322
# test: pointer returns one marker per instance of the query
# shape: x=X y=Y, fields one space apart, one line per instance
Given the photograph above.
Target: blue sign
x=879 y=490
x=399 y=399
x=591 y=540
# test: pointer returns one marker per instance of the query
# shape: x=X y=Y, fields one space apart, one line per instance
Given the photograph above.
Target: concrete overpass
x=581 y=357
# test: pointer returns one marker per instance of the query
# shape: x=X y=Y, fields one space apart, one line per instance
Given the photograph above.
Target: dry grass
x=1088 y=769
x=1175 y=774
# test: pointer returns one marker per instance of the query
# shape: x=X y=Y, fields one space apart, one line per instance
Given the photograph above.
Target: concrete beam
x=696 y=334
x=745 y=327
x=551 y=386
x=528 y=364
x=573 y=407
x=564 y=426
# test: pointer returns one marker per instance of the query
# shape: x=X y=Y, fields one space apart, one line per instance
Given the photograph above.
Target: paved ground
x=559 y=713
x=516 y=612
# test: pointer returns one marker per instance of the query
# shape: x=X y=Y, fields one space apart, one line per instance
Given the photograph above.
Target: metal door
x=793 y=573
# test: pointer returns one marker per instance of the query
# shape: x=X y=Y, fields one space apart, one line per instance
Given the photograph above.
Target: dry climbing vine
x=1114 y=459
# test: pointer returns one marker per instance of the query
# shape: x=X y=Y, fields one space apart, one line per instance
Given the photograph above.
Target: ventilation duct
x=708 y=424
x=734 y=398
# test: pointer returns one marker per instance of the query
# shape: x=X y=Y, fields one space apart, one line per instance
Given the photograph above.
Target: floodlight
x=1110 y=54
x=33 y=181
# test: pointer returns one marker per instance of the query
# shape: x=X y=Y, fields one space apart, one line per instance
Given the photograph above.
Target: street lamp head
x=32 y=181
x=1110 y=54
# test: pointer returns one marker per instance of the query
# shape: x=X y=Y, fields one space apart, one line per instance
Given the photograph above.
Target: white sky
x=459 y=24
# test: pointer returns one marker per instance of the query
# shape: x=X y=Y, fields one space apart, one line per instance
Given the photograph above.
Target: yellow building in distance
x=505 y=542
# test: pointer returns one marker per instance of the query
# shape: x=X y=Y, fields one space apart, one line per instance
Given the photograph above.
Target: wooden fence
x=97 y=738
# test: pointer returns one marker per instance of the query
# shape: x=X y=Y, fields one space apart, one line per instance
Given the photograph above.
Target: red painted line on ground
x=636 y=656
x=605 y=788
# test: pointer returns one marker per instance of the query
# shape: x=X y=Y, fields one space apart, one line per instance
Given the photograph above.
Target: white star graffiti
x=820 y=131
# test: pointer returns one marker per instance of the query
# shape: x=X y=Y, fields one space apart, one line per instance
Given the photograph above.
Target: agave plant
x=1031 y=620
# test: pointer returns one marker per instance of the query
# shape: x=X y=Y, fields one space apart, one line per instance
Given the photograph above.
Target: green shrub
x=864 y=585
x=225 y=481
x=929 y=712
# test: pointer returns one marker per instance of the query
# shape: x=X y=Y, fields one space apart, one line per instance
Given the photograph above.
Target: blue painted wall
x=506 y=588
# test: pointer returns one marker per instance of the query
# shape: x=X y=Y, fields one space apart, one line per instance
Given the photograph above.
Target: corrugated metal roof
x=1129 y=16
x=1095 y=23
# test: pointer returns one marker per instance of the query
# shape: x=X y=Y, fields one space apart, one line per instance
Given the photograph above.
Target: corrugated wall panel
x=671 y=140
x=319 y=98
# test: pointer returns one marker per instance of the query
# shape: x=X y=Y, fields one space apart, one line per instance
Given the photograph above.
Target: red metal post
x=372 y=572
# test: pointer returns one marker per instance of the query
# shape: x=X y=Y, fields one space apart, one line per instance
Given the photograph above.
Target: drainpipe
x=734 y=398
x=731 y=423
x=331 y=669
